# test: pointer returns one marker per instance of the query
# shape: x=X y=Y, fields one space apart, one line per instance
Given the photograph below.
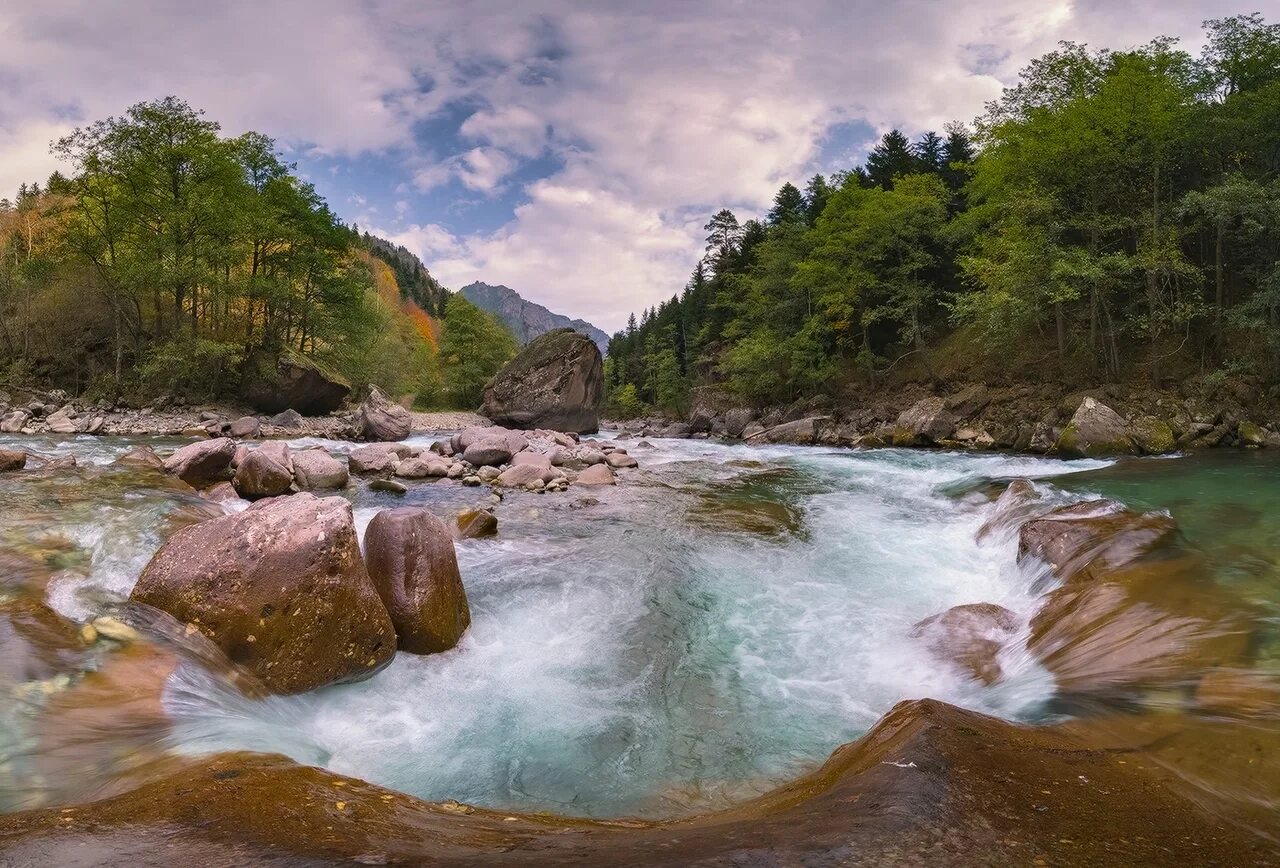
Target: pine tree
x=788 y=206
x=930 y=152
x=890 y=159
x=815 y=198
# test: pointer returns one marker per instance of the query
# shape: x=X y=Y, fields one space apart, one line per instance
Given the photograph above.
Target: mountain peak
x=526 y=319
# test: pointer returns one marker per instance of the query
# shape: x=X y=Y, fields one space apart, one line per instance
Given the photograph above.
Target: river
x=701 y=634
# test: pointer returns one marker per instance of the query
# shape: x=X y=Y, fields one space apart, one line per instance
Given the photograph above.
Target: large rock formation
x=295 y=382
x=1096 y=429
x=281 y=588
x=382 y=420
x=413 y=566
x=930 y=784
x=555 y=382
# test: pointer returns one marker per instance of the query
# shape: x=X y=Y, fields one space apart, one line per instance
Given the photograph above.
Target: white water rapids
x=629 y=657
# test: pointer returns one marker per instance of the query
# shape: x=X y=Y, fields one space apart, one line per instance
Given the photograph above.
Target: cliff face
x=526 y=319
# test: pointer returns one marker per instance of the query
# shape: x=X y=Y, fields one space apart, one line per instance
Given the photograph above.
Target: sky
x=572 y=150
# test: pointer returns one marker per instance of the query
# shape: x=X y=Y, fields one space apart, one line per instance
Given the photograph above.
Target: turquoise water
x=705 y=632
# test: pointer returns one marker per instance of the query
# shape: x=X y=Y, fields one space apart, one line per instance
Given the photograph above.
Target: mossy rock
x=1251 y=434
x=1153 y=436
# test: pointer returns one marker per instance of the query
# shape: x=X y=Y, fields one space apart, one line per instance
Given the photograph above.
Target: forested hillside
x=176 y=260
x=1113 y=217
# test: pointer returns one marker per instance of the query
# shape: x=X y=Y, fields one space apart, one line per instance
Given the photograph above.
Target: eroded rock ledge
x=930 y=784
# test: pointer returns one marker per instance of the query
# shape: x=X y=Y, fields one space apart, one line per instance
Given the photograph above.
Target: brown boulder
x=202 y=464
x=596 y=474
x=487 y=453
x=377 y=458
x=1097 y=535
x=414 y=569
x=316 y=469
x=260 y=476
x=12 y=459
x=475 y=524
x=925 y=422
x=141 y=456
x=281 y=588
x=555 y=381
x=380 y=419
x=245 y=428
x=969 y=637
x=619 y=459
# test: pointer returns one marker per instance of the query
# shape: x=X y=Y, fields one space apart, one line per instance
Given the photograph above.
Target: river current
x=702 y=633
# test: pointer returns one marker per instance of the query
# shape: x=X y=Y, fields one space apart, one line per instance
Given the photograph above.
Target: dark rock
x=412 y=564
x=289 y=420
x=202 y=464
x=736 y=420
x=1152 y=436
x=554 y=382
x=968 y=402
x=12 y=459
x=280 y=588
x=476 y=524
x=294 y=381
x=490 y=453
x=380 y=419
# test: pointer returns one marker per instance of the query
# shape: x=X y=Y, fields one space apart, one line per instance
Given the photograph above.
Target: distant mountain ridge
x=526 y=319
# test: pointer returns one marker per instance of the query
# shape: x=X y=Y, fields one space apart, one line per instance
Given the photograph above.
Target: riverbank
x=1110 y=420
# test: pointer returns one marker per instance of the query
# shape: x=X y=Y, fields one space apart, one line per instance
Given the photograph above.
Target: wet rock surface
x=281 y=588
x=413 y=567
x=908 y=793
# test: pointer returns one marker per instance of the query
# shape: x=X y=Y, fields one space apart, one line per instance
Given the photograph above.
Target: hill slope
x=526 y=319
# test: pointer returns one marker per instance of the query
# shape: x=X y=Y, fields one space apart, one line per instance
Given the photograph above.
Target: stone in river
x=475 y=524
x=316 y=469
x=413 y=566
x=202 y=464
x=280 y=588
x=597 y=474
x=380 y=419
x=261 y=476
x=969 y=637
x=556 y=381
x=12 y=459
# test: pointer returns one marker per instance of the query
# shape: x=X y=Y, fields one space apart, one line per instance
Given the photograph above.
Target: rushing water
x=702 y=633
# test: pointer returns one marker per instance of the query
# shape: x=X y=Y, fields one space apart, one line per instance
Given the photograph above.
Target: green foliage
x=473 y=348
x=188 y=366
x=625 y=403
x=1121 y=208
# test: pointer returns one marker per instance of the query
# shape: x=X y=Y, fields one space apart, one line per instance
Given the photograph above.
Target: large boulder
x=554 y=382
x=12 y=459
x=487 y=453
x=924 y=422
x=315 y=469
x=64 y=421
x=1094 y=430
x=204 y=463
x=377 y=458
x=414 y=569
x=14 y=421
x=382 y=420
x=513 y=441
x=280 y=588
x=259 y=475
x=296 y=382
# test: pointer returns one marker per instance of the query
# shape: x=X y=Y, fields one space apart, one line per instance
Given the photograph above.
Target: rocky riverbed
x=1027 y=658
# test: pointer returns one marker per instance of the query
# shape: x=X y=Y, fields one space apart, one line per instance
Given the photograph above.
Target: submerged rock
x=12 y=459
x=36 y=642
x=475 y=524
x=969 y=637
x=555 y=381
x=141 y=456
x=281 y=588
x=415 y=571
x=1097 y=535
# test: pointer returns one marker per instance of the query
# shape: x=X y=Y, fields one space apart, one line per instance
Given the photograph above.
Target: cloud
x=608 y=130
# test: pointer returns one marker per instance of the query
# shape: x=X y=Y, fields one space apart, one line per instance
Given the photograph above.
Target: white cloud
x=656 y=113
